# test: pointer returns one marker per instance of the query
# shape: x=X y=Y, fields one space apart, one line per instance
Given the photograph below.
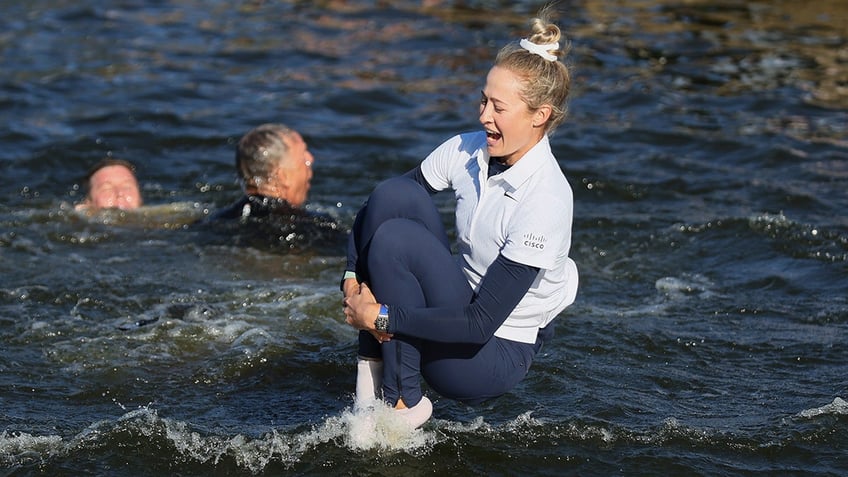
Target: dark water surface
x=707 y=147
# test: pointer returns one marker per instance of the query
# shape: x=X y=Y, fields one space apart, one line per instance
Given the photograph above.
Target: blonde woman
x=469 y=323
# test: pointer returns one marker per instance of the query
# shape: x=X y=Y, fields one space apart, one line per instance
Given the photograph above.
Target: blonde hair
x=544 y=82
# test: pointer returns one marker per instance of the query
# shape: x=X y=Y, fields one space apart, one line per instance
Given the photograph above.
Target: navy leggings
x=404 y=255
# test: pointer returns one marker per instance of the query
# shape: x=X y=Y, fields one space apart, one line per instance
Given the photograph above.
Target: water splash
x=16 y=448
x=685 y=285
x=377 y=428
x=837 y=407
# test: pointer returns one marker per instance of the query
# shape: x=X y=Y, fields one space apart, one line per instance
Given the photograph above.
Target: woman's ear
x=541 y=115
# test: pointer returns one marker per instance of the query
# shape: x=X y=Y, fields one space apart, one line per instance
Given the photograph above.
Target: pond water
x=707 y=146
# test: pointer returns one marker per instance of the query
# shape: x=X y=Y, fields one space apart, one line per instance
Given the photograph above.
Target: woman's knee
x=396 y=237
x=398 y=193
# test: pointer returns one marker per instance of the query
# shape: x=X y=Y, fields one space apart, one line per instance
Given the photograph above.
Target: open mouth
x=493 y=135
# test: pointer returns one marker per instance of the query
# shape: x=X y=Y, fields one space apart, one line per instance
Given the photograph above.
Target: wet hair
x=106 y=162
x=543 y=81
x=260 y=151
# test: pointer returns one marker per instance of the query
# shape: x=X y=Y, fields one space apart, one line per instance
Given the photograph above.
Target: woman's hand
x=361 y=311
x=350 y=287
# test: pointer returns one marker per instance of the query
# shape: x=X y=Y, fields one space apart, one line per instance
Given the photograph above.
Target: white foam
x=379 y=427
x=17 y=448
x=837 y=406
x=685 y=285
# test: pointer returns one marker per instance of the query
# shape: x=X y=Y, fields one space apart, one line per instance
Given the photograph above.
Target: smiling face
x=113 y=186
x=511 y=127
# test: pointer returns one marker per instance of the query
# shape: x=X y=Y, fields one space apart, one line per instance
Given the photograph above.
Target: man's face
x=296 y=172
x=113 y=187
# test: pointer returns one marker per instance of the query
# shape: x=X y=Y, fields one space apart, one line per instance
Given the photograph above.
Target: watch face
x=381 y=323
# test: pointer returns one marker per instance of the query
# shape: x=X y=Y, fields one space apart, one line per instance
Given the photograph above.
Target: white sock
x=418 y=414
x=369 y=381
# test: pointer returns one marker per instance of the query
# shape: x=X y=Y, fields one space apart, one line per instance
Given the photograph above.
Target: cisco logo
x=534 y=241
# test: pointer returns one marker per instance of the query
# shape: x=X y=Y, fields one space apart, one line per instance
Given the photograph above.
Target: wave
x=144 y=431
x=144 y=439
x=838 y=407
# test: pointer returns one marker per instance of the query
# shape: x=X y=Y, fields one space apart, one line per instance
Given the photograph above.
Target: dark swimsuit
x=260 y=221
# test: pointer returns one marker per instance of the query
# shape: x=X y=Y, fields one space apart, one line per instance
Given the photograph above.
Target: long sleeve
x=504 y=285
x=417 y=175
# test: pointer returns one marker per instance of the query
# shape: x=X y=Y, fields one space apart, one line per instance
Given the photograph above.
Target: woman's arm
x=418 y=176
x=504 y=285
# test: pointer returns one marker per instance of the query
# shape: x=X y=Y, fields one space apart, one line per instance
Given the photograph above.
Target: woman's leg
x=410 y=267
x=408 y=262
x=398 y=197
x=473 y=374
x=392 y=198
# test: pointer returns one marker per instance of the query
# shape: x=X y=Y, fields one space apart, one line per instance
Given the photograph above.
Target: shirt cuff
x=347 y=274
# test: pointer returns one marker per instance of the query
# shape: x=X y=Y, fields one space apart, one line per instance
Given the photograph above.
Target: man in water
x=275 y=167
x=111 y=183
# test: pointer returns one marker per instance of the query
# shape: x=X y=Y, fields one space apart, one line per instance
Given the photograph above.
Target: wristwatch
x=381 y=324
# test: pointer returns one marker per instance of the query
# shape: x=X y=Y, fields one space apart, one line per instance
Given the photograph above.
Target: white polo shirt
x=525 y=213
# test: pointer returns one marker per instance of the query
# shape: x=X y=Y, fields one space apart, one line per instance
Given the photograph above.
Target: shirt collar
x=526 y=166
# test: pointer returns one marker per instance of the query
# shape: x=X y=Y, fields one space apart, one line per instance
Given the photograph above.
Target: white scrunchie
x=541 y=50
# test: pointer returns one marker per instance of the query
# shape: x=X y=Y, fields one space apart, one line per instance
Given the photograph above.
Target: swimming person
x=470 y=324
x=111 y=184
x=274 y=166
